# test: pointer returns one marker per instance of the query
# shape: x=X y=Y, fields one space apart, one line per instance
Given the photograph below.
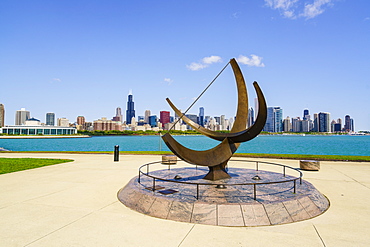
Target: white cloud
x=254 y=60
x=212 y=59
x=168 y=80
x=196 y=66
x=56 y=80
x=205 y=62
x=293 y=9
x=285 y=6
x=315 y=9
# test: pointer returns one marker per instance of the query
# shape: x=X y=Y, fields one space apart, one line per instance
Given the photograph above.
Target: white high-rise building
x=63 y=122
x=250 y=117
x=287 y=124
x=21 y=116
x=255 y=108
x=222 y=122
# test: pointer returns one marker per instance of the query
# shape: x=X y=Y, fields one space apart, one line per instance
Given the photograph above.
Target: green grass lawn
x=8 y=165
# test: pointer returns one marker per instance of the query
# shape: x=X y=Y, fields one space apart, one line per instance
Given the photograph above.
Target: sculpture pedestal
x=217 y=172
x=169 y=159
x=309 y=165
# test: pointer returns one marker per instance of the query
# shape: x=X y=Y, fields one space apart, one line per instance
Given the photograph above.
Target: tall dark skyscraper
x=306 y=114
x=201 y=116
x=50 y=118
x=130 y=112
x=324 y=122
x=348 y=124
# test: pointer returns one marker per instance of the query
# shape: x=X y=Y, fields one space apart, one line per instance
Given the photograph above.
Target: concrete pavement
x=75 y=204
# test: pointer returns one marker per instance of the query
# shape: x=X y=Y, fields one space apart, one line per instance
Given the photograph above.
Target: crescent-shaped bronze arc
x=234 y=135
x=217 y=157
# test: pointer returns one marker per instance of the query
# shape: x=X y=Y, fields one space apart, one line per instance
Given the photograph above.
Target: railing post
x=284 y=171
x=197 y=191
x=254 y=189
x=147 y=169
x=294 y=186
x=153 y=184
x=256 y=165
x=139 y=177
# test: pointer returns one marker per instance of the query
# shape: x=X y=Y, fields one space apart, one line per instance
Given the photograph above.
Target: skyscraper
x=250 y=117
x=222 y=122
x=153 y=121
x=50 y=118
x=201 y=116
x=274 y=121
x=164 y=117
x=324 y=122
x=315 y=122
x=306 y=114
x=81 y=120
x=287 y=125
x=278 y=116
x=118 y=116
x=21 y=116
x=269 y=125
x=2 y=115
x=193 y=118
x=146 y=117
x=63 y=122
x=348 y=124
x=130 y=112
x=255 y=108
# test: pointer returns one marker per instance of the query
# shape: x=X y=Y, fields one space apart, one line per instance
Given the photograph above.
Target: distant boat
x=3 y=149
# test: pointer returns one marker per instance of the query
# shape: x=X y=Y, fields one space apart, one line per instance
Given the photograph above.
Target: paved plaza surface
x=75 y=204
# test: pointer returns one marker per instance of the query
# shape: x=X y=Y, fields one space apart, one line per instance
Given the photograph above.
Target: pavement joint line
x=241 y=210
x=266 y=213
x=351 y=178
x=70 y=223
x=290 y=216
x=27 y=201
x=318 y=234
x=186 y=235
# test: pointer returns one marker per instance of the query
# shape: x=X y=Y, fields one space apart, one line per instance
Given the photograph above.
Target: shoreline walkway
x=75 y=204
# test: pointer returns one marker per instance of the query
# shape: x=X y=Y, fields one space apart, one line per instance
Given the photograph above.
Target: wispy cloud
x=236 y=15
x=316 y=8
x=286 y=7
x=294 y=9
x=56 y=80
x=168 y=80
x=254 y=60
x=204 y=63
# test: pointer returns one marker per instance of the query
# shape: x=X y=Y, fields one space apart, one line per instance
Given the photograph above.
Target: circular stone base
x=231 y=206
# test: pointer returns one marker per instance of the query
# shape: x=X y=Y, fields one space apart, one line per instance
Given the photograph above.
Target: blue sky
x=83 y=57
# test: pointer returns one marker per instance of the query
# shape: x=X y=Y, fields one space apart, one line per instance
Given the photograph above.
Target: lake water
x=310 y=144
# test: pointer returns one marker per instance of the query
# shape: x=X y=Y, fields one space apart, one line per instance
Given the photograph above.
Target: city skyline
x=275 y=122
x=305 y=54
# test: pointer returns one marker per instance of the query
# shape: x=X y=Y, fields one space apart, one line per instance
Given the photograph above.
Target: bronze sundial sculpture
x=154 y=193
x=216 y=158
